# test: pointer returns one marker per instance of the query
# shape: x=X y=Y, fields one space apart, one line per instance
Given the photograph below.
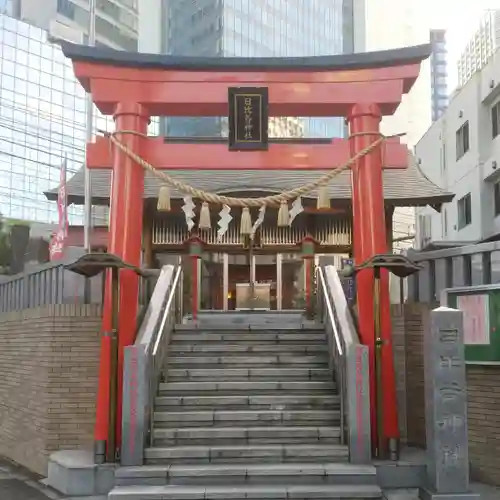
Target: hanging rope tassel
x=283 y=215
x=323 y=198
x=205 y=220
x=164 y=199
x=246 y=221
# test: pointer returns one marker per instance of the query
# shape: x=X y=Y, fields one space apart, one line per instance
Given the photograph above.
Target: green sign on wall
x=481 y=310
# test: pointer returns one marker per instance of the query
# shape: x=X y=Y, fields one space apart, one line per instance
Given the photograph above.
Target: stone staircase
x=246 y=415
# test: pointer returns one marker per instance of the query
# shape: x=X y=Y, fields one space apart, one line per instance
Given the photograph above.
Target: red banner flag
x=58 y=240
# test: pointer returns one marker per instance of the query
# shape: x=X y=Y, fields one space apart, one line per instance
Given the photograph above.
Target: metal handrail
x=338 y=361
x=168 y=304
x=157 y=360
x=350 y=360
x=329 y=308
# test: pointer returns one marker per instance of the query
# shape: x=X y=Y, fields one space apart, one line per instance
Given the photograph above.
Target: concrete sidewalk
x=487 y=493
x=16 y=483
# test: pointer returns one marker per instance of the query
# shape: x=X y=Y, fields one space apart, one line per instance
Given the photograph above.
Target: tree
x=4 y=247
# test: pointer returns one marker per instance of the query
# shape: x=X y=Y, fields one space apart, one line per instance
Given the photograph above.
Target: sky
x=460 y=18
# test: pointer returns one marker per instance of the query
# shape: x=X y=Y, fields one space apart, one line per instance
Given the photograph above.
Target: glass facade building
x=7 y=7
x=246 y=28
x=42 y=121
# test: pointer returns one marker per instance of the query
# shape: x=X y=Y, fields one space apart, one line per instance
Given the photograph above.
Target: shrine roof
x=408 y=187
x=361 y=60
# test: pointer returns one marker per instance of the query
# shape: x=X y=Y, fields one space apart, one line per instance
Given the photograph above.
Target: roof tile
x=401 y=187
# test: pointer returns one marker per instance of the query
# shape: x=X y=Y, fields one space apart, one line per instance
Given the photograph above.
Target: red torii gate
x=132 y=87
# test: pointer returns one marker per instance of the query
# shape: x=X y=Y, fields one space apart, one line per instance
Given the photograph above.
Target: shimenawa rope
x=273 y=200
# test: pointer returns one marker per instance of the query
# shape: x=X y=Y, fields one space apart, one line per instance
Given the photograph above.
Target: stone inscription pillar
x=446 y=407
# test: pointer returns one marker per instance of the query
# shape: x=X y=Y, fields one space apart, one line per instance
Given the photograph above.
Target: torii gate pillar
x=369 y=239
x=125 y=241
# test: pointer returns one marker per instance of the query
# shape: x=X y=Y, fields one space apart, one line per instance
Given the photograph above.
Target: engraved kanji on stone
x=449 y=336
x=450 y=392
x=449 y=362
x=453 y=423
x=452 y=456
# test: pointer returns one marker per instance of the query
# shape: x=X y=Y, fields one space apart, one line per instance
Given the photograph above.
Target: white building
x=461 y=153
x=116 y=22
x=484 y=42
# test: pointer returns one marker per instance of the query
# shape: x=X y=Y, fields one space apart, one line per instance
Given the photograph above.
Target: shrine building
x=277 y=254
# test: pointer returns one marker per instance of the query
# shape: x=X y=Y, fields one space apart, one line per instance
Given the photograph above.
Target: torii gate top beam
x=298 y=86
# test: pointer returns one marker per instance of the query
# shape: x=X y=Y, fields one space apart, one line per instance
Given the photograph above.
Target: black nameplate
x=248 y=118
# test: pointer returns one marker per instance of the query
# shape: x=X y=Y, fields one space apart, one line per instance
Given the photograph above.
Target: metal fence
x=453 y=267
x=47 y=284
x=51 y=283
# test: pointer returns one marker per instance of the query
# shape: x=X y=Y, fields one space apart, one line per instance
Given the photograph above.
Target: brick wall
x=48 y=378
x=399 y=342
x=483 y=393
x=414 y=349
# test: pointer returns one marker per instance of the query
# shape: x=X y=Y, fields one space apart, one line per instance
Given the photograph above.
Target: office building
x=7 y=7
x=231 y=28
x=461 y=153
x=115 y=22
x=42 y=122
x=439 y=73
x=481 y=46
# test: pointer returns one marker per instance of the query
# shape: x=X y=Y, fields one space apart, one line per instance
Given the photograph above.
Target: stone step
x=245 y=402
x=246 y=387
x=243 y=349
x=279 y=453
x=250 y=338
x=258 y=374
x=220 y=436
x=238 y=474
x=270 y=492
x=233 y=418
x=253 y=326
x=259 y=360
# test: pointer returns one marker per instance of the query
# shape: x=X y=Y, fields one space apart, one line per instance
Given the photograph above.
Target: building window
x=464 y=211
x=432 y=280
x=449 y=272
x=495 y=120
x=467 y=261
x=496 y=192
x=66 y=8
x=462 y=137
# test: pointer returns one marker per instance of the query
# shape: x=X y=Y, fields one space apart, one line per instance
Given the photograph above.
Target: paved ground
x=18 y=484
x=487 y=493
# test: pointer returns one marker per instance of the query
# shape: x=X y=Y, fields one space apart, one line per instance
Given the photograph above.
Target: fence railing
x=349 y=360
x=52 y=283
x=466 y=265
